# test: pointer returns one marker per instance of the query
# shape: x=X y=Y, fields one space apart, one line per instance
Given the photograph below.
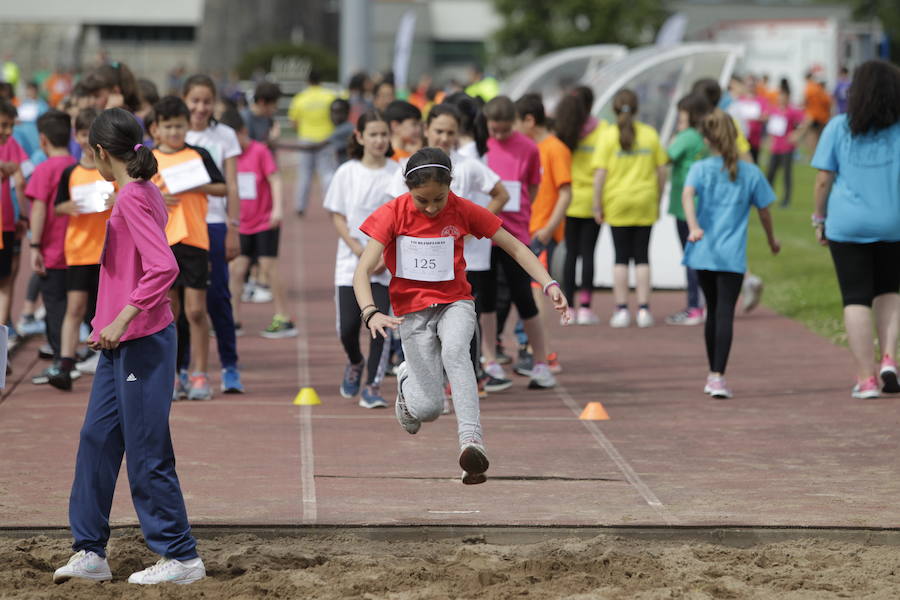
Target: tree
x=540 y=26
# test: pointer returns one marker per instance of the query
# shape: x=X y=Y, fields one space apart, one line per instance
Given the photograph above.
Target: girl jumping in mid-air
x=420 y=236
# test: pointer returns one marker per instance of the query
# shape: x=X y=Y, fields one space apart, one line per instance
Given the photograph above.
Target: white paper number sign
x=247 y=186
x=91 y=197
x=185 y=176
x=425 y=259
x=777 y=126
x=515 y=196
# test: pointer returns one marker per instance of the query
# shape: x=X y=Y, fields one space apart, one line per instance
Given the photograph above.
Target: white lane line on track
x=630 y=475
x=307 y=456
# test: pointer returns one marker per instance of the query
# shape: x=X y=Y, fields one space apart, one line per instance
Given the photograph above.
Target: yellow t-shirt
x=631 y=191
x=743 y=144
x=582 y=205
x=311 y=110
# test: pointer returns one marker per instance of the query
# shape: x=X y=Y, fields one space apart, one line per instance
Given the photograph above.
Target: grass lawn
x=800 y=282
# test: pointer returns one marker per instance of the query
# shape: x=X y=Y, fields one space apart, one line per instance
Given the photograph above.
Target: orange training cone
x=307 y=397
x=594 y=411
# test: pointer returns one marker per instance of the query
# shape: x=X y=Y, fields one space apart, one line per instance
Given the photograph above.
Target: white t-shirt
x=221 y=142
x=472 y=180
x=356 y=191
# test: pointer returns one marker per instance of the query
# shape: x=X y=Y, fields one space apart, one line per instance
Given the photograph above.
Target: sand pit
x=337 y=567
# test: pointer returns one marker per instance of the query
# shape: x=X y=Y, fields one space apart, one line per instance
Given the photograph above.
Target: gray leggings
x=436 y=341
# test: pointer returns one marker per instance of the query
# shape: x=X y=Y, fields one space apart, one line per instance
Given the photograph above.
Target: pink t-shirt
x=257 y=161
x=137 y=266
x=517 y=161
x=786 y=119
x=10 y=151
x=42 y=188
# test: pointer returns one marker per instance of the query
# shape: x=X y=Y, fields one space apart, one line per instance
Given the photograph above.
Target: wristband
x=817 y=220
x=364 y=308
x=234 y=223
x=369 y=318
x=35 y=244
x=550 y=285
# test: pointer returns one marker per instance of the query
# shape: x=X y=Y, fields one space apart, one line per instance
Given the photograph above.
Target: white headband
x=428 y=165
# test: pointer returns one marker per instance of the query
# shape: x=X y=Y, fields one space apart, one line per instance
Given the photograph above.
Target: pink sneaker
x=584 y=316
x=865 y=390
x=889 y=375
x=716 y=388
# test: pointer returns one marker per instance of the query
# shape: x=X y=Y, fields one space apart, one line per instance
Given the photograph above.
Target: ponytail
x=719 y=129
x=625 y=105
x=570 y=119
x=473 y=123
x=118 y=132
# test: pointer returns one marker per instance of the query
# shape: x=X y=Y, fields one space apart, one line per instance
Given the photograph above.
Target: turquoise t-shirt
x=722 y=210
x=864 y=204
x=686 y=149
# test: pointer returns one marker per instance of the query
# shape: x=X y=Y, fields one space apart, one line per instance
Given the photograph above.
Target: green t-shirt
x=686 y=149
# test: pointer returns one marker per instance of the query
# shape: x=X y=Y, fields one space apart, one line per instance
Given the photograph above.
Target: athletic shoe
x=169 y=570
x=261 y=295
x=644 y=318
x=89 y=365
x=350 y=383
x=83 y=565
x=182 y=382
x=495 y=370
x=238 y=330
x=199 y=388
x=525 y=363
x=865 y=390
x=492 y=384
x=247 y=294
x=371 y=398
x=688 y=316
x=280 y=327
x=889 y=375
x=29 y=326
x=584 y=316
x=12 y=336
x=752 y=290
x=45 y=352
x=553 y=363
x=569 y=318
x=44 y=376
x=717 y=388
x=502 y=357
x=406 y=420
x=231 y=381
x=59 y=378
x=541 y=378
x=621 y=318
x=474 y=463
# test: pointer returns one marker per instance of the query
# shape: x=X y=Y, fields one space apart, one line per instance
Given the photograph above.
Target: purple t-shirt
x=517 y=161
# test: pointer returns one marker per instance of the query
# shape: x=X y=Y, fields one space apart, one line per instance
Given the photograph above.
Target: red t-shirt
x=10 y=151
x=256 y=161
x=42 y=188
x=401 y=217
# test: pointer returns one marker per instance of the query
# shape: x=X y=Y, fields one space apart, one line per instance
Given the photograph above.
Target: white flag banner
x=403 y=49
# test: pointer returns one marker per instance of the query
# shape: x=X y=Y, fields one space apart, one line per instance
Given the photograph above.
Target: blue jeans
x=218 y=296
x=128 y=412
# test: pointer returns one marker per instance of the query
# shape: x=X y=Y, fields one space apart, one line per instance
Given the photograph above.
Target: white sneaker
x=84 y=565
x=494 y=369
x=169 y=570
x=541 y=377
x=261 y=295
x=621 y=318
x=585 y=316
x=89 y=366
x=752 y=290
x=406 y=420
x=644 y=318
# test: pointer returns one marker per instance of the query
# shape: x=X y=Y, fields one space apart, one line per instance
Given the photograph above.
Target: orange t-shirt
x=556 y=171
x=85 y=233
x=399 y=154
x=187 y=220
x=818 y=103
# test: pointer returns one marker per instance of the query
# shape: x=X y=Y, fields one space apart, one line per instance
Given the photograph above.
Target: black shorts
x=262 y=244
x=866 y=271
x=83 y=278
x=632 y=243
x=193 y=266
x=7 y=253
x=517 y=280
